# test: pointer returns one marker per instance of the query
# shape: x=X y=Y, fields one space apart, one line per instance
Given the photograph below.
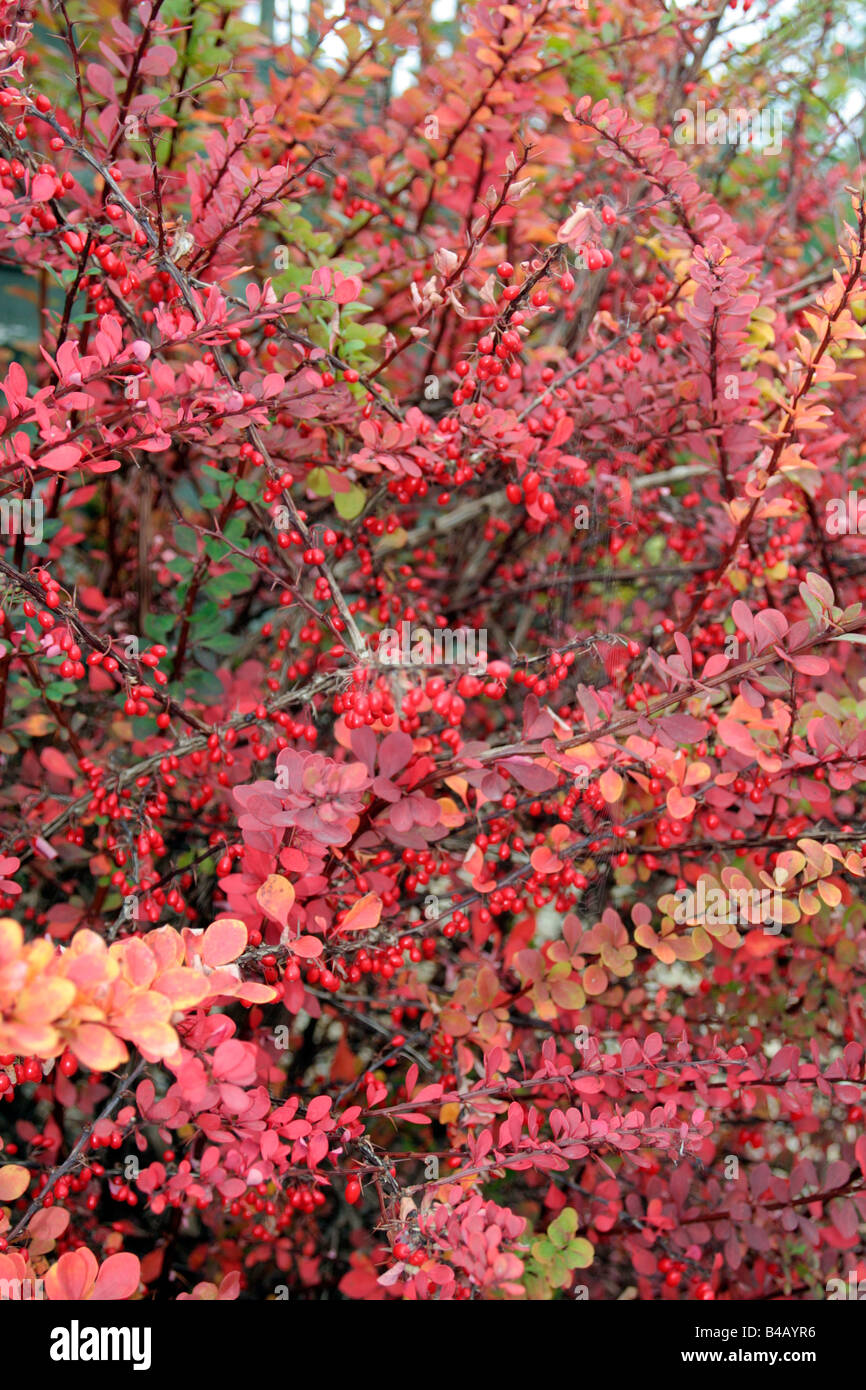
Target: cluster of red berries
x=353 y=206
x=29 y=1069
x=51 y=599
x=442 y=1050
x=496 y=362
x=530 y=491
x=594 y=257
x=673 y=1271
x=424 y=865
x=365 y=707
x=384 y=962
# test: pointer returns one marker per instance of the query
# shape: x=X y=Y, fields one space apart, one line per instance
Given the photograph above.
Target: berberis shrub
x=431 y=661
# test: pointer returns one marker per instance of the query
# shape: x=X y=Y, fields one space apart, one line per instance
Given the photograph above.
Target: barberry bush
x=431 y=661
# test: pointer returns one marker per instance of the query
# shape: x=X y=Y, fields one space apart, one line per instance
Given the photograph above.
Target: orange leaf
x=97 y=1047
x=364 y=914
x=680 y=807
x=185 y=988
x=610 y=785
x=14 y=1182
x=252 y=993
x=761 y=943
x=72 y=1277
x=568 y=994
x=143 y=1008
x=45 y=1000
x=31 y=1039
x=275 y=898
x=594 y=979
x=48 y=1225
x=544 y=861
x=118 y=1278
x=223 y=941
x=139 y=963
x=156 y=1040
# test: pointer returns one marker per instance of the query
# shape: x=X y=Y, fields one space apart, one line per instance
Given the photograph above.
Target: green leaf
x=205 y=684
x=185 y=538
x=319 y=482
x=220 y=642
x=563 y=1228
x=558 y=1273
x=58 y=690
x=208 y=618
x=580 y=1254
x=183 y=569
x=226 y=585
x=811 y=603
x=350 y=504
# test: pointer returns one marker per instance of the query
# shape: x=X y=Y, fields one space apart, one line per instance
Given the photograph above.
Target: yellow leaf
x=458 y=785
x=448 y=812
x=37 y=725
x=11 y=939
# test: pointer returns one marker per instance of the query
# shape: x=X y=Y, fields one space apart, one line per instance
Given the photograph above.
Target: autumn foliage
x=431 y=652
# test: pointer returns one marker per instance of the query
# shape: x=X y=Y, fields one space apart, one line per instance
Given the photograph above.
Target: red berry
x=353 y=1191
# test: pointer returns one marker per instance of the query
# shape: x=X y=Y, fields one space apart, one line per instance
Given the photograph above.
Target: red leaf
x=307 y=947
x=63 y=458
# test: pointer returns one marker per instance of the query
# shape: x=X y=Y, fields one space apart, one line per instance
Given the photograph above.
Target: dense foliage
x=431 y=671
